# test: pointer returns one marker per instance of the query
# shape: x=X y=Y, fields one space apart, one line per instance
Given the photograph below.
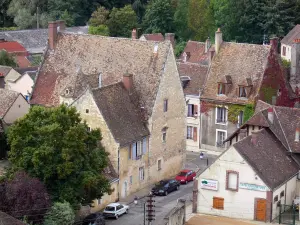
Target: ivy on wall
x=233 y=112
x=268 y=94
x=248 y=112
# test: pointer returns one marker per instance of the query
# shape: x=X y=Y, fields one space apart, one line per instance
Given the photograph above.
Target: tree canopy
x=60 y=213
x=56 y=146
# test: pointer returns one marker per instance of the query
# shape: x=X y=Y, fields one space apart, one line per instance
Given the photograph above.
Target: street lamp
x=202 y=157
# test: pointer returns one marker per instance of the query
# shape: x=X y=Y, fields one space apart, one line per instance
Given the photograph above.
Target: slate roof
x=291 y=36
x=154 y=37
x=4 y=70
x=197 y=52
x=112 y=57
x=268 y=158
x=239 y=61
x=6 y=219
x=121 y=116
x=12 y=47
x=35 y=41
x=7 y=98
x=261 y=105
x=196 y=73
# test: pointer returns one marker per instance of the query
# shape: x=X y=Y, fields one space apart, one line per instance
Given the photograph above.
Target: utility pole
x=37 y=18
x=150 y=209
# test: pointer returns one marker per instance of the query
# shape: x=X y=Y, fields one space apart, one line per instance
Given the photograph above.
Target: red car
x=186 y=176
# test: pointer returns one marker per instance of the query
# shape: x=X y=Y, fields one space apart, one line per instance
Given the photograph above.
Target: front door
x=261 y=209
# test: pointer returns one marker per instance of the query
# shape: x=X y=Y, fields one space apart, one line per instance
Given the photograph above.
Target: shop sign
x=209 y=184
x=253 y=187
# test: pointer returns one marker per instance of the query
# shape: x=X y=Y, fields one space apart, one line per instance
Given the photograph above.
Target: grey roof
x=4 y=70
x=35 y=41
x=267 y=156
x=122 y=117
x=291 y=36
x=7 y=98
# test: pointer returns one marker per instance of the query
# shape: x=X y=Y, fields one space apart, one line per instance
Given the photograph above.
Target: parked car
x=115 y=210
x=185 y=176
x=164 y=187
x=94 y=219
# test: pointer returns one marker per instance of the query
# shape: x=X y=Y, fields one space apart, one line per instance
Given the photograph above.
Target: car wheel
x=177 y=188
x=126 y=212
x=117 y=216
x=166 y=193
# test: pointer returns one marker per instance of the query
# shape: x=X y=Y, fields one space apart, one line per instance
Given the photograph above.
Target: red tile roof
x=12 y=47
x=22 y=61
x=154 y=37
x=196 y=51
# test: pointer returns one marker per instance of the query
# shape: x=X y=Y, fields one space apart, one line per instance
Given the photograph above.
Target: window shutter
x=195 y=136
x=144 y=145
x=195 y=109
x=219 y=89
x=237 y=92
x=129 y=152
x=133 y=154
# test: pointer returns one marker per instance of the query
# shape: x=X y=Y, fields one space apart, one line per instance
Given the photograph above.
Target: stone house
x=287 y=42
x=261 y=163
x=239 y=74
x=128 y=88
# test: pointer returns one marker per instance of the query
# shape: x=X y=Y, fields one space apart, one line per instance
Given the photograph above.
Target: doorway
x=261 y=209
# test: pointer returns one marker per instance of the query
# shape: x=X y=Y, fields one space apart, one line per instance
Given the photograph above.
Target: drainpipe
x=119 y=173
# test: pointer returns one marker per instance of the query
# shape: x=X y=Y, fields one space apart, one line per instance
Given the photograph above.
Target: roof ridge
x=192 y=63
x=239 y=43
x=107 y=86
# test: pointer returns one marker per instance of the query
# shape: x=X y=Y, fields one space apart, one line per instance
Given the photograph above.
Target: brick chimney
x=171 y=38
x=61 y=25
x=297 y=134
x=52 y=34
x=254 y=137
x=207 y=45
x=274 y=43
x=218 y=40
x=295 y=60
x=133 y=34
x=128 y=81
x=271 y=115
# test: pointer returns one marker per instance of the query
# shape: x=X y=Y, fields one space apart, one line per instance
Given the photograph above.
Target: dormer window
x=67 y=91
x=242 y=92
x=221 y=89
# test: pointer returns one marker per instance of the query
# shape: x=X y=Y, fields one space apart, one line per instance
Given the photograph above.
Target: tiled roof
x=196 y=52
x=110 y=173
x=154 y=37
x=196 y=73
x=7 y=98
x=6 y=219
x=4 y=70
x=261 y=105
x=291 y=36
x=112 y=57
x=22 y=61
x=35 y=41
x=239 y=62
x=268 y=158
x=12 y=47
x=122 y=117
x=258 y=120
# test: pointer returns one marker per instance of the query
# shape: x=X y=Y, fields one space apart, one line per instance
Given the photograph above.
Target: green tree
x=181 y=20
x=159 y=17
x=54 y=145
x=99 y=17
x=5 y=20
x=6 y=59
x=99 y=30
x=139 y=9
x=69 y=20
x=122 y=21
x=60 y=213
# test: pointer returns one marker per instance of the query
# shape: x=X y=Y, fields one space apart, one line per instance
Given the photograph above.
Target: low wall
x=179 y=214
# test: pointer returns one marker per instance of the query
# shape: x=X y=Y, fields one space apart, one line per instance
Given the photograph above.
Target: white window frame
x=192 y=108
x=159 y=168
x=142 y=173
x=99 y=201
x=220 y=130
x=164 y=135
x=243 y=89
x=226 y=115
x=192 y=132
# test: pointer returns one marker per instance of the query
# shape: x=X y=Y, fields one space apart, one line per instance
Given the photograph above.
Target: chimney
x=207 y=45
x=243 y=133
x=171 y=38
x=61 y=25
x=271 y=115
x=186 y=56
x=254 y=137
x=211 y=54
x=295 y=60
x=133 y=34
x=128 y=82
x=218 y=40
x=274 y=44
x=52 y=34
x=297 y=134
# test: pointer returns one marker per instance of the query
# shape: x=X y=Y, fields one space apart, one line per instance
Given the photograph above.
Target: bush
x=286 y=63
x=8 y=28
x=99 y=30
x=179 y=48
x=60 y=213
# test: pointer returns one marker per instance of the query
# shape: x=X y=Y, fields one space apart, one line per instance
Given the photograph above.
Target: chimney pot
x=171 y=38
x=297 y=134
x=61 y=25
x=218 y=40
x=128 y=81
x=52 y=34
x=271 y=114
x=207 y=45
x=133 y=34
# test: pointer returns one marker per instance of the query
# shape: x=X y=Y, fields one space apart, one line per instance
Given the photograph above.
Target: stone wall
x=179 y=214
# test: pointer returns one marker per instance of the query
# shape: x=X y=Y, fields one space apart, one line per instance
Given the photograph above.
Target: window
x=192 y=133
x=284 y=51
x=99 y=201
x=67 y=91
x=159 y=164
x=89 y=129
x=221 y=136
x=136 y=150
x=130 y=179
x=141 y=173
x=281 y=194
x=164 y=134
x=221 y=89
x=276 y=198
x=192 y=110
x=221 y=115
x=165 y=105
x=87 y=111
x=242 y=92
x=232 y=180
x=218 y=203
x=240 y=118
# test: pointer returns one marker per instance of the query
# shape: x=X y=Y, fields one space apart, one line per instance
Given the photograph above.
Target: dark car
x=94 y=219
x=164 y=187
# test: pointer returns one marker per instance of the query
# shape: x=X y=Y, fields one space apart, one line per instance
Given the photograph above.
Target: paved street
x=163 y=204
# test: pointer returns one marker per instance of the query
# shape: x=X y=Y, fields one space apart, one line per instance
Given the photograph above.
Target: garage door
x=261 y=209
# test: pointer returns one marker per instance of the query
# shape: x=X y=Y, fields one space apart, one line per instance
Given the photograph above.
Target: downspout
x=119 y=173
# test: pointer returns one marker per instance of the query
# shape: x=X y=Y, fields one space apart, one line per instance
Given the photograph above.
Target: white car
x=115 y=210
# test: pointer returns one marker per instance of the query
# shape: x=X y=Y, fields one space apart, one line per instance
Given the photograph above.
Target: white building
x=249 y=180
x=287 y=42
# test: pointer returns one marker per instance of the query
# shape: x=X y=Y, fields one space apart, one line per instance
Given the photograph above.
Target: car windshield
x=110 y=208
x=182 y=174
x=162 y=182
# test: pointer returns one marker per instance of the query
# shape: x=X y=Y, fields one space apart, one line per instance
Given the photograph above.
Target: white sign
x=253 y=187
x=209 y=184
